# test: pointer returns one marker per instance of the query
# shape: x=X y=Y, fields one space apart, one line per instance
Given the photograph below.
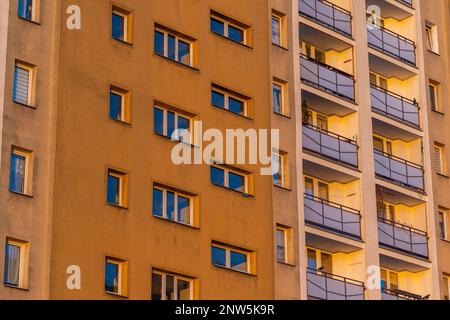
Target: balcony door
x=313 y=52
x=319 y=260
x=378 y=81
x=382 y=145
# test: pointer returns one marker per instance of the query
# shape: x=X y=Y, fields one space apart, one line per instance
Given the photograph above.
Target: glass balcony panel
x=325 y=286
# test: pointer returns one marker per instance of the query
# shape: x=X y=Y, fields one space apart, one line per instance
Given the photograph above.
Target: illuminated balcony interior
x=396 y=9
x=328 y=275
x=404 y=285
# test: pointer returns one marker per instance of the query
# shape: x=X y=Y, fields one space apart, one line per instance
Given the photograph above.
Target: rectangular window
x=432 y=38
x=172 y=205
x=312 y=259
x=446 y=288
x=230 y=179
x=433 y=91
x=28 y=9
x=276 y=30
x=20 y=171
x=442 y=221
x=119 y=104
x=228 y=28
x=439 y=158
x=23 y=83
x=283 y=235
x=280 y=105
x=15 y=263
x=174 y=46
x=166 y=121
x=231 y=258
x=280 y=169
x=389 y=280
x=116 y=276
x=167 y=286
x=121 y=24
x=117 y=186
x=229 y=100
x=319 y=261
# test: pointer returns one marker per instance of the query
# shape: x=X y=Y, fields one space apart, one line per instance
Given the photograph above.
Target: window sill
x=280 y=46
x=445 y=240
x=25 y=105
x=443 y=175
x=176 y=223
x=176 y=141
x=287 y=264
x=231 y=112
x=243 y=194
x=438 y=112
x=282 y=115
x=121 y=122
x=124 y=42
x=233 y=41
x=177 y=63
x=117 y=295
x=29 y=20
x=281 y=187
x=434 y=52
x=234 y=270
x=11 y=286
x=117 y=206
x=26 y=195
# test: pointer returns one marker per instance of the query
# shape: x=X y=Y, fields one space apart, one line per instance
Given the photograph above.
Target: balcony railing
x=328 y=14
x=394 y=105
x=325 y=286
x=330 y=145
x=391 y=43
x=402 y=237
x=409 y=3
x=332 y=216
x=387 y=294
x=327 y=78
x=399 y=170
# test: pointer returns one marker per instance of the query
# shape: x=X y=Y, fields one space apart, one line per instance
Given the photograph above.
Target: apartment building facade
x=94 y=206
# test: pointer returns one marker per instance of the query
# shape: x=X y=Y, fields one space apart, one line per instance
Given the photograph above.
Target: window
x=442 y=222
x=167 y=286
x=172 y=205
x=230 y=101
x=439 y=162
x=313 y=52
x=319 y=260
x=445 y=283
x=20 y=171
x=378 y=81
x=382 y=145
x=23 y=87
x=231 y=258
x=230 y=179
x=277 y=29
x=117 y=188
x=389 y=280
x=432 y=37
x=283 y=235
x=116 y=276
x=174 y=46
x=433 y=91
x=280 y=169
x=280 y=104
x=315 y=119
x=28 y=9
x=228 y=28
x=119 y=104
x=121 y=24
x=166 y=121
x=315 y=187
x=15 y=263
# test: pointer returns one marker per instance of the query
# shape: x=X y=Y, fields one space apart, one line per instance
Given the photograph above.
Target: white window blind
x=438 y=159
x=21 y=85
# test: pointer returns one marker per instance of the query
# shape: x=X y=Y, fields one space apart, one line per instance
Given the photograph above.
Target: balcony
x=395 y=106
x=409 y=3
x=325 y=286
x=387 y=294
x=332 y=216
x=328 y=14
x=392 y=44
x=327 y=78
x=330 y=145
x=399 y=170
x=404 y=238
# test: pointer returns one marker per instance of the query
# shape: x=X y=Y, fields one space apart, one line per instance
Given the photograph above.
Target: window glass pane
x=442 y=231
x=312 y=261
x=219 y=256
x=373 y=79
x=118 y=24
x=26 y=9
x=327 y=262
x=433 y=97
x=276 y=170
x=159 y=43
x=276 y=39
x=158 y=121
x=281 y=245
x=170 y=288
x=446 y=288
x=217 y=26
x=184 y=52
x=170 y=205
x=158 y=202
x=383 y=284
x=323 y=191
x=322 y=122
x=184 y=209
x=113 y=189
x=393 y=277
x=183 y=124
x=12 y=264
x=156 y=286
x=309 y=187
x=235 y=34
x=170 y=123
x=218 y=99
x=183 y=289
x=383 y=83
x=378 y=144
x=277 y=96
x=21 y=85
x=171 y=47
x=17 y=173
x=236 y=182
x=238 y=261
x=235 y=105
x=111 y=277
x=115 y=106
x=217 y=176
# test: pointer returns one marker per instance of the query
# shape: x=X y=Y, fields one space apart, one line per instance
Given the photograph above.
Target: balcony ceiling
x=324 y=106
x=329 y=244
x=400 y=265
x=392 y=132
x=321 y=40
x=389 y=69
x=391 y=9
x=396 y=197
x=326 y=173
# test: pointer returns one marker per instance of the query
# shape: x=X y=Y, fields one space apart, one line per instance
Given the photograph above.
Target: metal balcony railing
x=399 y=170
x=330 y=145
x=327 y=13
x=332 y=216
x=402 y=237
x=393 y=105
x=391 y=43
x=409 y=3
x=327 y=78
x=325 y=286
x=388 y=294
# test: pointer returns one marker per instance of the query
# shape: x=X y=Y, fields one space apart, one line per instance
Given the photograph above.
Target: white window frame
x=432 y=38
x=436 y=95
x=281 y=159
x=123 y=103
x=175 y=279
x=228 y=257
x=280 y=22
x=120 y=176
x=125 y=17
x=226 y=24
x=388 y=277
x=286 y=244
x=176 y=194
x=226 y=173
x=282 y=102
x=31 y=76
x=28 y=156
x=227 y=97
x=176 y=114
x=23 y=262
x=177 y=39
x=119 y=265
